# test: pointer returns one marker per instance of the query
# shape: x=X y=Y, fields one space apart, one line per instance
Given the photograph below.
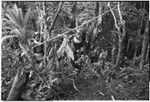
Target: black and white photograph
x=74 y=50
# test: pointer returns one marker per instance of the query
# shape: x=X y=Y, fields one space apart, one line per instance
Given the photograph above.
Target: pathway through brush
x=88 y=89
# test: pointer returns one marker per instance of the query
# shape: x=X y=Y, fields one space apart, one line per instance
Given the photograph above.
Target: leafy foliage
x=40 y=40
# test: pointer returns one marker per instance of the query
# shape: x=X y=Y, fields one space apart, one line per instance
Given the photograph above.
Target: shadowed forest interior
x=75 y=50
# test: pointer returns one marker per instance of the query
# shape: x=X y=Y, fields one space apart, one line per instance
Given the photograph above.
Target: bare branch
x=115 y=20
x=119 y=11
x=62 y=35
x=6 y=37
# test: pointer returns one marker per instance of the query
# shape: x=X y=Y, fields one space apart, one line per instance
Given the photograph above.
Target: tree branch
x=115 y=20
x=61 y=35
x=120 y=15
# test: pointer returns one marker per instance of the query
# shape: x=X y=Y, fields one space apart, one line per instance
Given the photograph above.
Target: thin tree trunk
x=121 y=37
x=119 y=51
x=96 y=12
x=95 y=30
x=135 y=51
x=147 y=55
x=115 y=23
x=18 y=86
x=13 y=94
x=113 y=54
x=139 y=33
x=144 y=45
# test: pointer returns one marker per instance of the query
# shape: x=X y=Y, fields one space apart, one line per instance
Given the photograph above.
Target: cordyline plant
x=17 y=24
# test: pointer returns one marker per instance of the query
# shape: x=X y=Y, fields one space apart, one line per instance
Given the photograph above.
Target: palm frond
x=11 y=16
x=27 y=16
x=15 y=9
x=15 y=15
x=16 y=21
x=20 y=18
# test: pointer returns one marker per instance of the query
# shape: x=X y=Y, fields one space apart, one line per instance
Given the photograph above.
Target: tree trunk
x=120 y=45
x=18 y=86
x=139 y=33
x=122 y=34
x=96 y=12
x=147 y=55
x=113 y=54
x=144 y=45
x=135 y=51
x=74 y=21
x=119 y=52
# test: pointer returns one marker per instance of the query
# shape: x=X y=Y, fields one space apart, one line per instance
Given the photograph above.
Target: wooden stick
x=115 y=20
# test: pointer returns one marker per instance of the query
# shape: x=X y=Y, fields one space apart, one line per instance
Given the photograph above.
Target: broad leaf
x=69 y=52
x=24 y=50
x=51 y=53
x=61 y=50
x=56 y=58
x=50 y=65
x=27 y=16
x=99 y=20
x=46 y=34
x=20 y=18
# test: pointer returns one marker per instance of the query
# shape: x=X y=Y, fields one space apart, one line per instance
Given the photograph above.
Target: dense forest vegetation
x=75 y=50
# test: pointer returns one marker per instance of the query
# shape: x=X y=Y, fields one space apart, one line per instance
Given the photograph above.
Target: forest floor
x=91 y=87
x=87 y=89
x=97 y=88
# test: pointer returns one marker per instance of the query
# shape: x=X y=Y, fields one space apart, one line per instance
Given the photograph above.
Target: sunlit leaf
x=15 y=9
x=55 y=80
x=103 y=55
x=50 y=65
x=27 y=16
x=61 y=49
x=46 y=33
x=69 y=52
x=99 y=20
x=51 y=53
x=20 y=18
x=56 y=58
x=11 y=17
x=24 y=50
x=95 y=32
x=16 y=31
